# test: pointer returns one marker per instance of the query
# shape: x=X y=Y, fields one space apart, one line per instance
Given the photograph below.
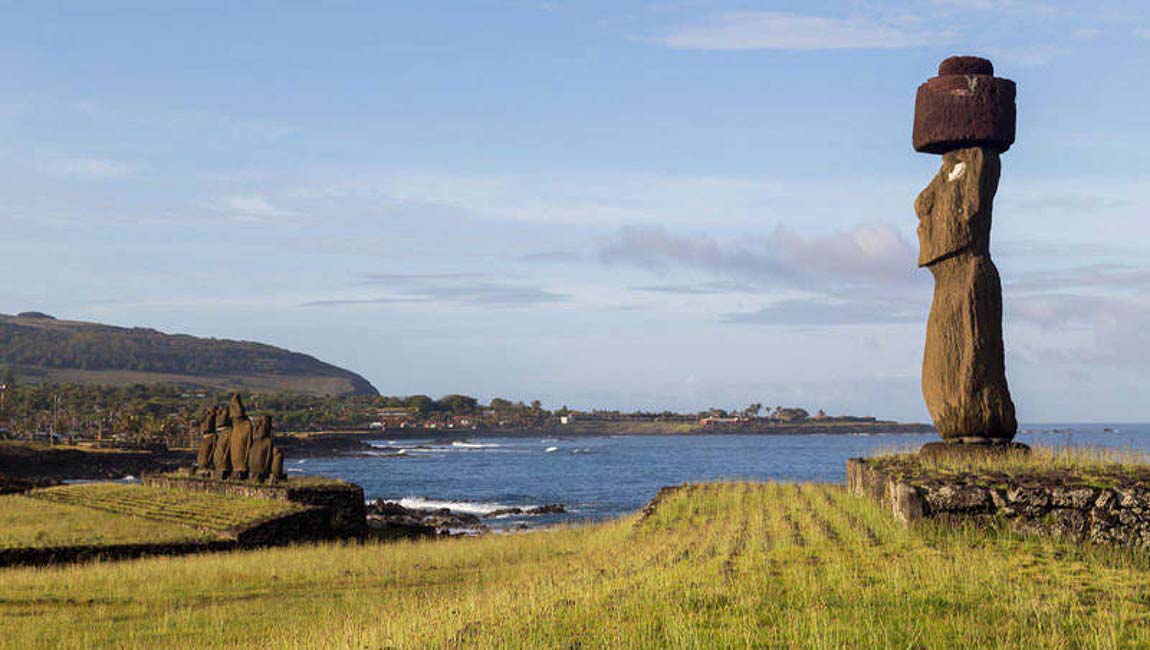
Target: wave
x=551 y=449
x=474 y=445
x=467 y=507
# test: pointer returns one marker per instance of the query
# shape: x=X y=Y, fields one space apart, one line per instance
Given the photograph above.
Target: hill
x=42 y=349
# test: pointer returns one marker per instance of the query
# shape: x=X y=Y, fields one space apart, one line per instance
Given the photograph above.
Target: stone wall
x=43 y=556
x=1099 y=514
x=342 y=503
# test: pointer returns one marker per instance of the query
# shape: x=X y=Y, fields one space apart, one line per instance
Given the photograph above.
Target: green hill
x=41 y=349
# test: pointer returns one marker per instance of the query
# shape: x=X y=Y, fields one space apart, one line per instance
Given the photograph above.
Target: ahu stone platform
x=342 y=504
x=1056 y=505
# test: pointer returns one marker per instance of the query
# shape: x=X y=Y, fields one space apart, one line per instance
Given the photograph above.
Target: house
x=395 y=416
x=708 y=421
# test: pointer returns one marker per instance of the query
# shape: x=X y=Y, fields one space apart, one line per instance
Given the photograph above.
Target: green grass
x=199 y=510
x=27 y=523
x=1092 y=466
x=723 y=565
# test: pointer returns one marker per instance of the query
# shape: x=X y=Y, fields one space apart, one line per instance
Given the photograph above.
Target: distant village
x=402 y=417
x=165 y=416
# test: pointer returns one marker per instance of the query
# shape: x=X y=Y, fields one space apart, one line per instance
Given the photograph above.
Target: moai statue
x=278 y=474
x=241 y=437
x=967 y=115
x=221 y=457
x=260 y=453
x=208 y=439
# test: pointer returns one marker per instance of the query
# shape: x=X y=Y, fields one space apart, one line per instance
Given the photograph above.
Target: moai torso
x=241 y=437
x=221 y=456
x=260 y=453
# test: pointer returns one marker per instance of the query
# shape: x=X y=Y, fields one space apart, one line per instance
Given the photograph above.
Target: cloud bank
x=770 y=30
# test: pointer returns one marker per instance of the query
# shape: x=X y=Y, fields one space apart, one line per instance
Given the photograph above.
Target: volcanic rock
x=965 y=106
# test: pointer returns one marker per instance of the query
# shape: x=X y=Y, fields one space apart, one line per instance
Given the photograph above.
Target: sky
x=655 y=205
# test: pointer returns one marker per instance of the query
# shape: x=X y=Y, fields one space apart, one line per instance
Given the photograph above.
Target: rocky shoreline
x=48 y=465
x=389 y=518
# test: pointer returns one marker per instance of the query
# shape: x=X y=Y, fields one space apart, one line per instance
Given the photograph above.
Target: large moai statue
x=260 y=453
x=241 y=438
x=967 y=115
x=208 y=438
x=221 y=457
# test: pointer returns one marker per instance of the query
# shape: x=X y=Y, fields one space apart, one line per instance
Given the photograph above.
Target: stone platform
x=342 y=503
x=1107 y=511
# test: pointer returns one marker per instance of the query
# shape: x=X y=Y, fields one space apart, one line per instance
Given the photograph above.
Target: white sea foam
x=474 y=445
x=551 y=449
x=468 y=507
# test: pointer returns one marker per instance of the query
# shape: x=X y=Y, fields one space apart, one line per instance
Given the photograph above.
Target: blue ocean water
x=601 y=477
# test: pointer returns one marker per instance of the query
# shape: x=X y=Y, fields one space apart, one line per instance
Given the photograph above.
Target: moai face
x=236 y=409
x=261 y=427
x=223 y=420
x=953 y=213
x=208 y=421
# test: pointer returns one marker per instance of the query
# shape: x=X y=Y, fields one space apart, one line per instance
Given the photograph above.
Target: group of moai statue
x=236 y=446
x=967 y=115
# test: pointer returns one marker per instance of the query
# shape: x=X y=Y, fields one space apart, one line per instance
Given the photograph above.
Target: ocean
x=601 y=477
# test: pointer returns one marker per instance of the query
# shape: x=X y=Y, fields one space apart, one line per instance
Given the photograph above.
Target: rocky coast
x=391 y=519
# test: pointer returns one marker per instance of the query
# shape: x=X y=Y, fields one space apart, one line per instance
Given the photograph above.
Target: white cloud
x=1024 y=6
x=252 y=207
x=769 y=30
x=868 y=254
x=86 y=168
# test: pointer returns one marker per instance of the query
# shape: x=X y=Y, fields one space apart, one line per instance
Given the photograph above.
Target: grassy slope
x=26 y=523
x=716 y=566
x=203 y=511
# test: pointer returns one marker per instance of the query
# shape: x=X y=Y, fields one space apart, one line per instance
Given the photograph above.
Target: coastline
x=316 y=439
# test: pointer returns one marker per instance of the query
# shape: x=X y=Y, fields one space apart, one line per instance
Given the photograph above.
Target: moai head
x=223 y=419
x=236 y=409
x=261 y=427
x=208 y=421
x=964 y=106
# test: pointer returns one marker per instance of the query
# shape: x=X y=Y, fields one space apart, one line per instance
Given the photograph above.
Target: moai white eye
x=957 y=172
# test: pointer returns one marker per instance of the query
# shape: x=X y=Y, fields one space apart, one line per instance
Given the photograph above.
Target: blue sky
x=614 y=204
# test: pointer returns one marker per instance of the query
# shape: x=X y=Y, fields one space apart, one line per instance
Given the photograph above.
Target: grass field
x=199 y=510
x=724 y=565
x=27 y=523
